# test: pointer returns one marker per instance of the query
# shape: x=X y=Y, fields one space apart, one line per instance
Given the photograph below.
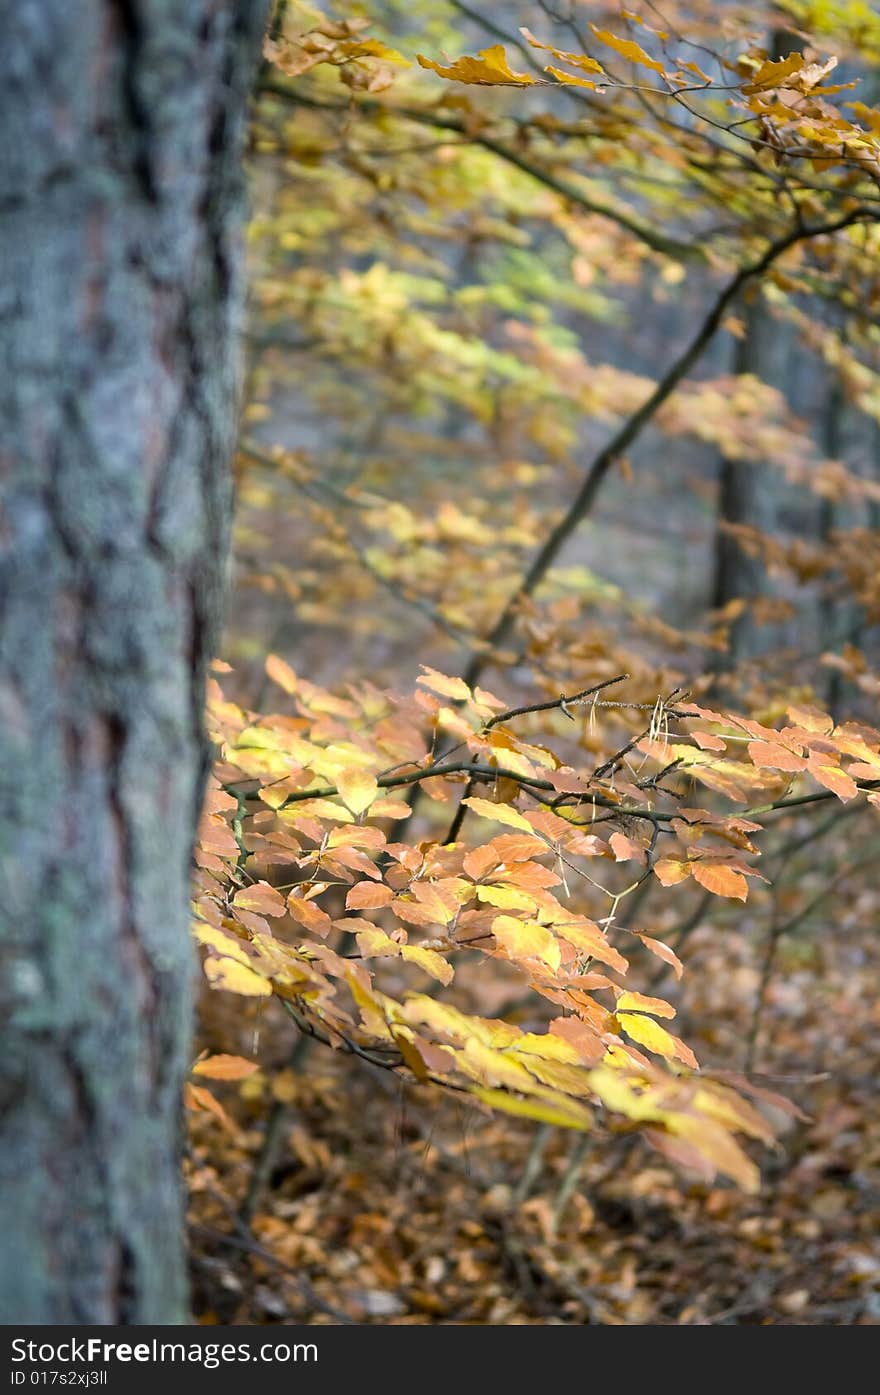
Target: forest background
x=562 y=382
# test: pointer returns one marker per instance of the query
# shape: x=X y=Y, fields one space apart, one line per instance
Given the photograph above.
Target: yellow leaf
x=548 y=1047
x=649 y=1033
x=220 y=942
x=577 y=60
x=570 y=79
x=236 y=978
x=421 y=1010
x=490 y=68
x=358 y=789
x=526 y=940
x=368 y=1002
x=773 y=74
x=564 y=1114
x=376 y=942
x=429 y=960
x=628 y=49
x=500 y=813
x=442 y=683
x=615 y=1092
x=637 y=1002
x=559 y=1075
x=491 y=1067
x=411 y=1055
x=732 y=1111
x=374 y=48
x=507 y=898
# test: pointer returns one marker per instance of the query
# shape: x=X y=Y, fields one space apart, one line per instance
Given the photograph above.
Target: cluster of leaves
x=353 y=914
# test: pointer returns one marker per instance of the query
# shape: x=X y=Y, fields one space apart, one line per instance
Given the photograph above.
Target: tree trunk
x=749 y=493
x=122 y=129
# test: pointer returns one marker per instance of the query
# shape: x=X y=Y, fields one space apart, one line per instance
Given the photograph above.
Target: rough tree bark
x=120 y=300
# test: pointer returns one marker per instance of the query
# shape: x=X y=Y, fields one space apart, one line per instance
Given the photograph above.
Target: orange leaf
x=663 y=952
x=771 y=756
x=624 y=849
x=262 y=898
x=834 y=779
x=669 y=871
x=225 y=1067
x=720 y=880
x=281 y=673
x=368 y=896
x=309 y=915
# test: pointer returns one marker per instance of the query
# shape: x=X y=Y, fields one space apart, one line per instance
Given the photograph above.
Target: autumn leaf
x=499 y=813
x=261 y=898
x=637 y=1002
x=773 y=73
x=235 y=977
x=624 y=849
x=834 y=779
x=368 y=896
x=281 y=673
x=575 y=60
x=197 y=1097
x=649 y=1033
x=490 y=69
x=309 y=915
x=442 y=683
x=669 y=871
x=430 y=961
x=225 y=1067
x=570 y=79
x=561 y=1112
x=720 y=880
x=628 y=49
x=772 y=756
x=663 y=952
x=358 y=789
x=526 y=940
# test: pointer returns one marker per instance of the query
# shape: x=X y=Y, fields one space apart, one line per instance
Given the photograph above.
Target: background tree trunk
x=747 y=493
x=122 y=128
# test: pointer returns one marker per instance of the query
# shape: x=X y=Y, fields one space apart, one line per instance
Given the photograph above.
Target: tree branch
x=633 y=427
x=657 y=241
